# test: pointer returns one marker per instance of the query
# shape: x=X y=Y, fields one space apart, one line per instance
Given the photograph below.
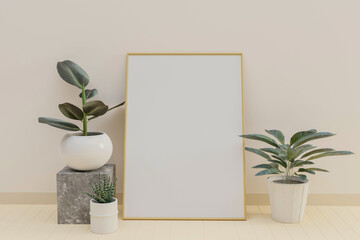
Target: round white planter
x=288 y=201
x=103 y=216
x=86 y=153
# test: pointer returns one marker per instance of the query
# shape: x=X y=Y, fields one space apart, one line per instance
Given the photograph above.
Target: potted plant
x=290 y=162
x=81 y=150
x=103 y=206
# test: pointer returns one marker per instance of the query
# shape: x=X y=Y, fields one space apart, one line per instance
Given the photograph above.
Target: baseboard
x=27 y=198
x=34 y=198
x=251 y=199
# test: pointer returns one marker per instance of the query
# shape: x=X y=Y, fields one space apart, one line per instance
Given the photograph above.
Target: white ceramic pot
x=103 y=216
x=288 y=201
x=86 y=153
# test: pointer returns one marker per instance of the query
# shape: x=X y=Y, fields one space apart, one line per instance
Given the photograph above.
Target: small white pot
x=86 y=153
x=288 y=201
x=103 y=216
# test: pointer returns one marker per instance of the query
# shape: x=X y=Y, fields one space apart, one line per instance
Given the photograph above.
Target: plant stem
x=85 y=125
x=287 y=175
x=116 y=106
x=83 y=103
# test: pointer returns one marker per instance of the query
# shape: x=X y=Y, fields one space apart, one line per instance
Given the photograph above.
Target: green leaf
x=318 y=151
x=318 y=169
x=284 y=147
x=302 y=176
x=301 y=134
x=268 y=171
x=72 y=73
x=294 y=164
x=300 y=150
x=71 y=111
x=89 y=93
x=103 y=189
x=279 y=162
x=328 y=154
x=95 y=108
x=278 y=134
x=116 y=106
x=299 y=163
x=302 y=147
x=275 y=151
x=280 y=158
x=311 y=137
x=267 y=166
x=306 y=170
x=59 y=124
x=91 y=196
x=261 y=138
x=290 y=153
x=258 y=152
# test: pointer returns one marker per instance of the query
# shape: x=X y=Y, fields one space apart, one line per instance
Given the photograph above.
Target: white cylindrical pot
x=288 y=200
x=103 y=216
x=85 y=153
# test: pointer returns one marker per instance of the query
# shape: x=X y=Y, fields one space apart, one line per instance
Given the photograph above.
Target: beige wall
x=301 y=63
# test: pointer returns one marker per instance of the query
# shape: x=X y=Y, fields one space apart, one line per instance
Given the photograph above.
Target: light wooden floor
x=39 y=222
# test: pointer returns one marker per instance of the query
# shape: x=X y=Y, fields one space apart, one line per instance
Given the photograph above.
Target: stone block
x=72 y=204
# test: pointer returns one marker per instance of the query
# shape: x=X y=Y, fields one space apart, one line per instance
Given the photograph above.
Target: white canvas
x=183 y=156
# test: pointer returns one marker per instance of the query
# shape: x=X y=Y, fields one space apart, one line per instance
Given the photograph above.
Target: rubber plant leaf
x=59 y=123
x=95 y=108
x=89 y=93
x=71 y=111
x=72 y=73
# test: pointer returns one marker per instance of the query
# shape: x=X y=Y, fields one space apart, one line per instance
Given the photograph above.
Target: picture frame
x=181 y=160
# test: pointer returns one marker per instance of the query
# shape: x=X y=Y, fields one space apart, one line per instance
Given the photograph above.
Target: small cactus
x=103 y=190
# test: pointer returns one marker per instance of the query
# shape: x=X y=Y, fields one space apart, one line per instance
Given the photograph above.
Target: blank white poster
x=183 y=156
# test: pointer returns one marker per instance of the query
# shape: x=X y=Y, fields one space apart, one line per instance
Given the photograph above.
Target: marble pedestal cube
x=72 y=204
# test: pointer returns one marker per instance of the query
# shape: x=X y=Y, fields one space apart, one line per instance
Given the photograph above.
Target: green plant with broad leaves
x=293 y=159
x=73 y=74
x=103 y=191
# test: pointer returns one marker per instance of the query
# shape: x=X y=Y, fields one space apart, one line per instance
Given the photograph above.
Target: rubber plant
x=73 y=74
x=294 y=158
